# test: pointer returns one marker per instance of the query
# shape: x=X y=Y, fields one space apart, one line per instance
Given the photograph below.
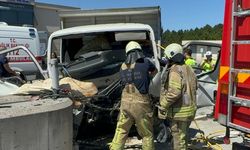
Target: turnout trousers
x=135 y=109
x=179 y=131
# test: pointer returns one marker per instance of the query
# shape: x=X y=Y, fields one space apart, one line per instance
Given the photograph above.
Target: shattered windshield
x=76 y=46
x=98 y=56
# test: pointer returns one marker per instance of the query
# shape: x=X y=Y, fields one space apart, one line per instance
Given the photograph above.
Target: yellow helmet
x=173 y=49
x=132 y=45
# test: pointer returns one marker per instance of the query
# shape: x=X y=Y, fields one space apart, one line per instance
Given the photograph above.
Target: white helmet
x=208 y=53
x=132 y=45
x=172 y=50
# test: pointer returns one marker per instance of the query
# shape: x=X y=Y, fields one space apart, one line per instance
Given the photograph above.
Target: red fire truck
x=232 y=107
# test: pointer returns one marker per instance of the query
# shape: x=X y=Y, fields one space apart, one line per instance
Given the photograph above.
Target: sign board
x=19 y=1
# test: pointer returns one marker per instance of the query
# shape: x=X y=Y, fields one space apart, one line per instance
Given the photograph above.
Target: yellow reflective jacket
x=208 y=65
x=190 y=62
x=178 y=96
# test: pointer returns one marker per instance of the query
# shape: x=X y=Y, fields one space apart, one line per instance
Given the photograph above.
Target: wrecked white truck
x=95 y=53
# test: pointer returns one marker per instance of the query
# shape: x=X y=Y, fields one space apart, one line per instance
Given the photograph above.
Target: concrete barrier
x=36 y=125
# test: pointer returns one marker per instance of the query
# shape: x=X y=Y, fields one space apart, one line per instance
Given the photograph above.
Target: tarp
x=75 y=87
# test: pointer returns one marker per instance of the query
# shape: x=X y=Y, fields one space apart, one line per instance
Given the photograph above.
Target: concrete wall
x=37 y=126
x=46 y=16
x=46 y=19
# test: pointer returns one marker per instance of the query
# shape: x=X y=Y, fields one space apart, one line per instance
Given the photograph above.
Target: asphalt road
x=206 y=125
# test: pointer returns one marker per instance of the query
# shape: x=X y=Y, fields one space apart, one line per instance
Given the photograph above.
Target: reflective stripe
x=242 y=77
x=175 y=84
x=183 y=111
x=179 y=115
x=164 y=103
x=223 y=71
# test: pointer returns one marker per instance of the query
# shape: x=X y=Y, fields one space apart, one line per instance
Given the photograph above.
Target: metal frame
x=232 y=98
x=31 y=55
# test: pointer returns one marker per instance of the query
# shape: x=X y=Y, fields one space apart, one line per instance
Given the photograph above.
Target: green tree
x=204 y=33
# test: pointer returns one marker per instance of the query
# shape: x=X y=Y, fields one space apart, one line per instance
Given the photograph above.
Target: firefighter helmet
x=132 y=45
x=172 y=50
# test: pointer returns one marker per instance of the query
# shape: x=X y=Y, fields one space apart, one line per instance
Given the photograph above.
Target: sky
x=175 y=14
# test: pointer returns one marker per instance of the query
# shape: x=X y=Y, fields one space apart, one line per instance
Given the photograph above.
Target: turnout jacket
x=178 y=95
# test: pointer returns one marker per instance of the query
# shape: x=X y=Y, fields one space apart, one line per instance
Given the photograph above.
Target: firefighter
x=178 y=96
x=188 y=58
x=136 y=108
x=208 y=63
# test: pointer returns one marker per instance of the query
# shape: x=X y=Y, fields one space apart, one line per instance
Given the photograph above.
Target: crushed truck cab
x=95 y=53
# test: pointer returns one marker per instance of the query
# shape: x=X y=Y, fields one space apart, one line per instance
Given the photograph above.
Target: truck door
x=207 y=80
x=10 y=84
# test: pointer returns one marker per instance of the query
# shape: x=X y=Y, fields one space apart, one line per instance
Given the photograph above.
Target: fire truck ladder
x=237 y=12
